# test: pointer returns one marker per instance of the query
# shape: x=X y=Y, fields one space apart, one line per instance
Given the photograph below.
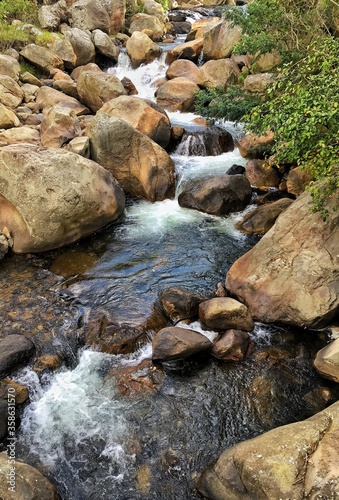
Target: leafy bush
x=25 y=10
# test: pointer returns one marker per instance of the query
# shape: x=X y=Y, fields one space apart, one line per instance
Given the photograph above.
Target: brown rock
x=183 y=68
x=297 y=180
x=261 y=175
x=220 y=40
x=254 y=146
x=41 y=57
x=24 y=134
x=19 y=391
x=7 y=118
x=105 y=45
x=140 y=22
x=129 y=86
x=81 y=69
x=327 y=361
x=224 y=313
x=261 y=219
x=96 y=88
x=142 y=380
x=141 y=49
x=258 y=83
x=218 y=73
x=82 y=45
x=180 y=304
x=177 y=94
x=11 y=95
x=233 y=345
x=175 y=343
x=58 y=127
x=48 y=362
x=9 y=67
x=189 y=50
x=48 y=97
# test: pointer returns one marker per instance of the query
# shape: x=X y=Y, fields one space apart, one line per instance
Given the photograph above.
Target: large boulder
x=14 y=351
x=58 y=127
x=140 y=165
x=143 y=115
x=218 y=73
x=47 y=98
x=224 y=313
x=24 y=134
x=261 y=175
x=327 y=361
x=296 y=461
x=11 y=95
x=174 y=342
x=150 y=23
x=183 y=68
x=41 y=57
x=291 y=276
x=82 y=45
x=189 y=50
x=219 y=41
x=63 y=48
x=91 y=14
x=217 y=195
x=177 y=94
x=118 y=13
x=297 y=180
x=261 y=219
x=95 y=88
x=62 y=197
x=141 y=49
x=26 y=482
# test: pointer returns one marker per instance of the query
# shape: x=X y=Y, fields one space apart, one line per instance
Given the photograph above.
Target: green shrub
x=12 y=36
x=25 y=10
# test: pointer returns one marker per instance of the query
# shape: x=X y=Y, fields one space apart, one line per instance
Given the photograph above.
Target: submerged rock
x=261 y=219
x=224 y=313
x=143 y=379
x=296 y=461
x=175 y=343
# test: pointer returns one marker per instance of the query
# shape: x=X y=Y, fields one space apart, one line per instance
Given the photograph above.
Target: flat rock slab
x=14 y=351
x=175 y=343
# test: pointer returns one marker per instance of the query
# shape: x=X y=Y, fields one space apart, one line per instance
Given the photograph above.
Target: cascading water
x=93 y=441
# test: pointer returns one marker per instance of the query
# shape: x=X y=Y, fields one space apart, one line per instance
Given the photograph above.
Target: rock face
x=14 y=351
x=140 y=165
x=224 y=313
x=62 y=197
x=95 y=88
x=296 y=461
x=327 y=361
x=218 y=73
x=217 y=195
x=29 y=483
x=234 y=345
x=180 y=304
x=261 y=219
x=291 y=275
x=141 y=49
x=220 y=40
x=143 y=115
x=175 y=343
x=177 y=94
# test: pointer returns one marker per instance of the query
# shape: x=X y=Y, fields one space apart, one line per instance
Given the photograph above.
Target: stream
x=88 y=438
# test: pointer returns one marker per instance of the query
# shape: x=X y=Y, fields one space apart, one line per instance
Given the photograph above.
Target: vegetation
x=302 y=107
x=13 y=35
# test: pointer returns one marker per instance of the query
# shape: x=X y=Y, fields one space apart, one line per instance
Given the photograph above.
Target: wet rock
x=261 y=219
x=141 y=49
x=140 y=165
x=11 y=95
x=152 y=24
x=261 y=175
x=58 y=127
x=183 y=68
x=15 y=350
x=318 y=399
x=236 y=170
x=96 y=88
x=224 y=313
x=233 y=345
x=327 y=361
x=7 y=118
x=48 y=97
x=62 y=197
x=143 y=478
x=175 y=343
x=19 y=391
x=181 y=27
x=47 y=362
x=180 y=304
x=189 y=50
x=291 y=275
x=143 y=379
x=297 y=180
x=29 y=482
x=217 y=195
x=219 y=73
x=220 y=40
x=143 y=115
x=254 y=146
x=41 y=57
x=258 y=83
x=204 y=141
x=129 y=86
x=296 y=461
x=103 y=332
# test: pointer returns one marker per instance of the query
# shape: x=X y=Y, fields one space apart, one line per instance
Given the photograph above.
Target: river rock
x=174 y=343
x=297 y=180
x=48 y=97
x=105 y=46
x=261 y=219
x=11 y=95
x=143 y=115
x=218 y=73
x=217 y=195
x=189 y=50
x=219 y=41
x=295 y=461
x=183 y=68
x=24 y=134
x=82 y=45
x=7 y=118
x=141 y=49
x=177 y=94
x=236 y=170
x=9 y=67
x=254 y=146
x=95 y=88
x=63 y=48
x=141 y=380
x=50 y=15
x=258 y=83
x=261 y=175
x=233 y=345
x=58 y=127
x=327 y=361
x=129 y=86
x=90 y=14
x=62 y=197
x=224 y=313
x=15 y=350
x=41 y=57
x=181 y=27
x=152 y=24
x=140 y=165
x=75 y=75
x=180 y=304
x=291 y=276
x=29 y=482
x=19 y=391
